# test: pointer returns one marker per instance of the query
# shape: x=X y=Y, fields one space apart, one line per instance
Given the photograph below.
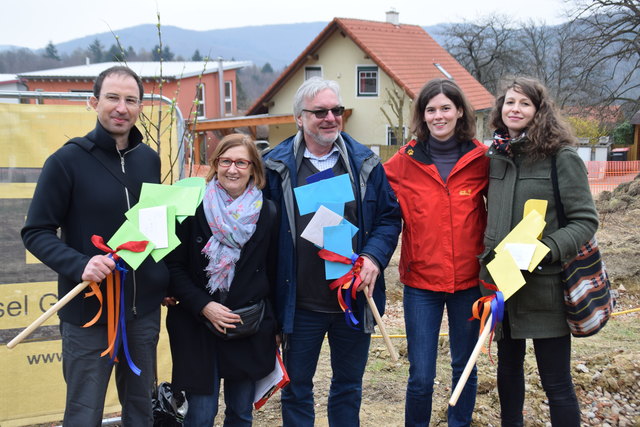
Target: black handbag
x=587 y=291
x=251 y=317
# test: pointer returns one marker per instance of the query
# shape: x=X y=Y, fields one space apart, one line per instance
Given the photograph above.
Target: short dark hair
x=120 y=70
x=465 y=126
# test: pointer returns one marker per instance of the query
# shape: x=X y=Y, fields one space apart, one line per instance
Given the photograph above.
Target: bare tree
x=555 y=56
x=496 y=48
x=394 y=101
x=611 y=32
x=485 y=48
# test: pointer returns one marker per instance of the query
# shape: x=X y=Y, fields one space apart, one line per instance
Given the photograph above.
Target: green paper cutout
x=128 y=232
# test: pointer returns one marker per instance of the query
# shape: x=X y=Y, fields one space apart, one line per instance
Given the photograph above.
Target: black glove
x=547 y=259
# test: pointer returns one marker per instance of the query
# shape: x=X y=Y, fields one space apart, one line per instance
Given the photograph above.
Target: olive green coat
x=537 y=309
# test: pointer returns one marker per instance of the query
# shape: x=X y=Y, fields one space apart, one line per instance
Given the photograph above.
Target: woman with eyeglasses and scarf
x=440 y=179
x=225 y=262
x=530 y=135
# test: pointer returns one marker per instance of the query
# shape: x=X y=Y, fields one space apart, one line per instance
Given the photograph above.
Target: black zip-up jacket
x=78 y=195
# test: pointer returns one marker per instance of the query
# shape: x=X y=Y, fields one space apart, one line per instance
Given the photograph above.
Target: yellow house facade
x=370 y=60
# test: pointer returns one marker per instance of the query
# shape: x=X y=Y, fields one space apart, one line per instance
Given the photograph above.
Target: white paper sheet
x=522 y=253
x=323 y=217
x=152 y=222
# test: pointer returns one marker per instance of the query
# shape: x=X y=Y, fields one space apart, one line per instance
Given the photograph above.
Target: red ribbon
x=113 y=290
x=348 y=283
x=133 y=246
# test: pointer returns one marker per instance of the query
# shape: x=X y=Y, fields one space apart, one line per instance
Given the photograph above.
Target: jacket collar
x=103 y=139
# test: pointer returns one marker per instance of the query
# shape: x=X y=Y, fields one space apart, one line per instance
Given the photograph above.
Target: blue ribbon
x=122 y=336
x=497 y=309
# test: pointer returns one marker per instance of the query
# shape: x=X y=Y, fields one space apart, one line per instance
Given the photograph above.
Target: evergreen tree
x=96 y=51
x=131 y=54
x=165 y=55
x=115 y=54
x=196 y=56
x=267 y=68
x=51 y=52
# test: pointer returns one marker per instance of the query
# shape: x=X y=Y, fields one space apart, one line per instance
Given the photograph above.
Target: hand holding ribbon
x=70 y=295
x=369 y=272
x=116 y=324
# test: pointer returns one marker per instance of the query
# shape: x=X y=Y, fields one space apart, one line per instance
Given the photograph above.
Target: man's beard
x=323 y=139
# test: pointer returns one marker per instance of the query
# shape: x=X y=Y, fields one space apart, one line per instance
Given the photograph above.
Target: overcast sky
x=33 y=23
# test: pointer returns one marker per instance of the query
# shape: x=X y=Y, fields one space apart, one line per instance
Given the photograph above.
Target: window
x=312 y=71
x=200 y=100
x=367 y=80
x=228 y=98
x=391 y=136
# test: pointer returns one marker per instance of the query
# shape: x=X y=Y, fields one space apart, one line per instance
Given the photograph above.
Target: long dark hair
x=547 y=131
x=465 y=126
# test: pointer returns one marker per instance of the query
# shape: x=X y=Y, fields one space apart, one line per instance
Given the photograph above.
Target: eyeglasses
x=323 y=112
x=112 y=98
x=226 y=162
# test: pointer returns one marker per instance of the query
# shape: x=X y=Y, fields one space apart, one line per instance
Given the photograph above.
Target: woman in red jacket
x=440 y=179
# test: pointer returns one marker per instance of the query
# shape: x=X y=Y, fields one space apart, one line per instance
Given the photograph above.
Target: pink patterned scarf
x=232 y=222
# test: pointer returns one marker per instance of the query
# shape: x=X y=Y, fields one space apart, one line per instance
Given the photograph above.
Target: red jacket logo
x=465 y=192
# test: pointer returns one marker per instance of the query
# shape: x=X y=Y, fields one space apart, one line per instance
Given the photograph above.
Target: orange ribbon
x=113 y=290
x=348 y=283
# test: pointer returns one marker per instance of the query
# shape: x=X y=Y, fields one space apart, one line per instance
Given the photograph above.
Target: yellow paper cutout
x=526 y=231
x=506 y=274
x=536 y=205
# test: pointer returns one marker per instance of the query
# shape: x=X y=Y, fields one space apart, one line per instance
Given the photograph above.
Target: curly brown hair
x=465 y=128
x=548 y=131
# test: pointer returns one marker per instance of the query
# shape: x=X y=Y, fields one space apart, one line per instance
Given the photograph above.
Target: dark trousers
x=553 y=356
x=87 y=373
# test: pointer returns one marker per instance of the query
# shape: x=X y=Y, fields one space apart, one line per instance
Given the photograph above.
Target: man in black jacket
x=84 y=189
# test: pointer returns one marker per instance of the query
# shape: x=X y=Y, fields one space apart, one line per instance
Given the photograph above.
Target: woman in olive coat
x=530 y=133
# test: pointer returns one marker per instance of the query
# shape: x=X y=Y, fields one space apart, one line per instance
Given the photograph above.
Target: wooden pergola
x=227 y=124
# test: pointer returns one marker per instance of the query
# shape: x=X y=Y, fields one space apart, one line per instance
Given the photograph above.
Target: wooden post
x=383 y=331
x=44 y=316
x=472 y=361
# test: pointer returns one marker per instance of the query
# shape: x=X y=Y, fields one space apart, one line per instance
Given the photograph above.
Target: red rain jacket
x=444 y=222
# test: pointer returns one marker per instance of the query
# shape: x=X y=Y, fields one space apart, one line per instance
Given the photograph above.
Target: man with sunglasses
x=307 y=309
x=85 y=188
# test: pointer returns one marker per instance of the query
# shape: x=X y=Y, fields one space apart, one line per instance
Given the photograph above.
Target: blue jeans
x=349 y=352
x=238 y=399
x=423 y=316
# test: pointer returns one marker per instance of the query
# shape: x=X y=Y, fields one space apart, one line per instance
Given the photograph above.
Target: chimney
x=87 y=61
x=393 y=17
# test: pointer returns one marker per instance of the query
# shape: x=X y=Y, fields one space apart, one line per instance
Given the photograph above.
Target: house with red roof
x=370 y=60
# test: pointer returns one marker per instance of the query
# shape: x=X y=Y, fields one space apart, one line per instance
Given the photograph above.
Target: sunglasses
x=226 y=162
x=323 y=112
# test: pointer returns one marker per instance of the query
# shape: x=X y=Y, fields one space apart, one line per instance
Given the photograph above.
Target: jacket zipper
x=133 y=273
